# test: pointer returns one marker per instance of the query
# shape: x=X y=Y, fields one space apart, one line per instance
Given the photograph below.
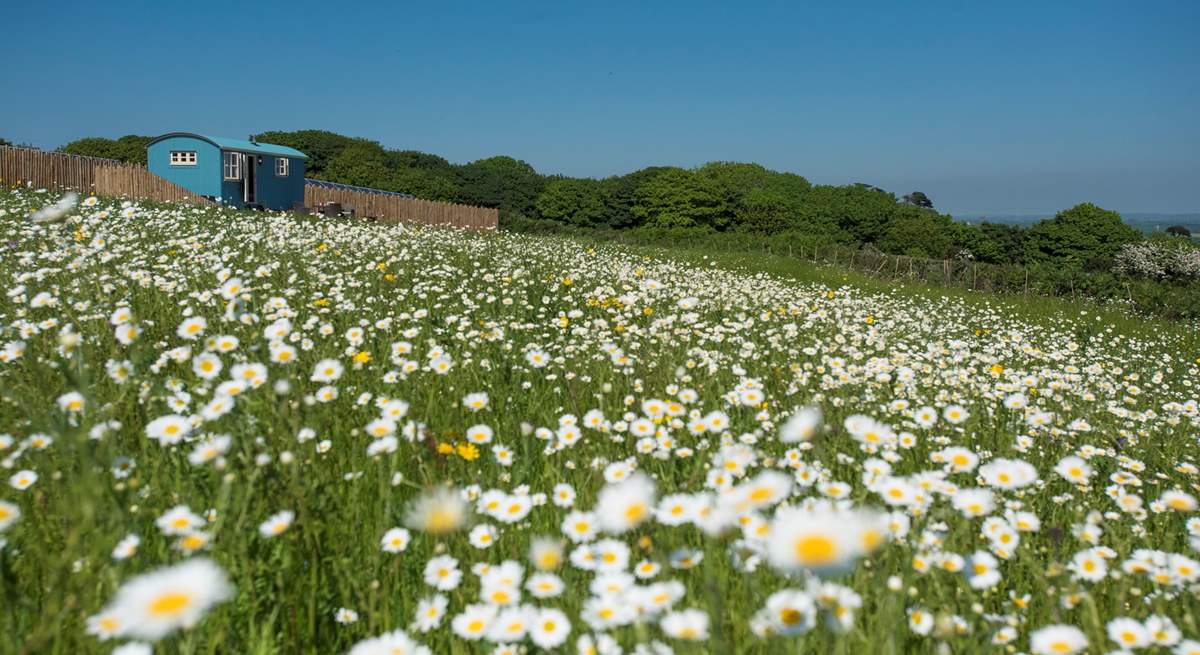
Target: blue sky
x=987 y=107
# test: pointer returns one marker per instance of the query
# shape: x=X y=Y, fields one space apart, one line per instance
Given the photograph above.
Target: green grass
x=801 y=270
x=763 y=322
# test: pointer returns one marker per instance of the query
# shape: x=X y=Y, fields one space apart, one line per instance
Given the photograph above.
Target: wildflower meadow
x=257 y=433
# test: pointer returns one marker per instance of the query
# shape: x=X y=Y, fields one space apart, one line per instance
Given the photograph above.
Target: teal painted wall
x=204 y=178
x=275 y=192
x=207 y=177
x=231 y=191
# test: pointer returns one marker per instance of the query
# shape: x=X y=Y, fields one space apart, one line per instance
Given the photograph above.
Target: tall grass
x=619 y=325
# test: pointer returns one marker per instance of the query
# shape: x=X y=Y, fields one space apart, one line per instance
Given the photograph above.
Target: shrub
x=1159 y=259
x=1084 y=236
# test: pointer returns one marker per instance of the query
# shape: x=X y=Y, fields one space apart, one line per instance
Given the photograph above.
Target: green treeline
x=129 y=148
x=741 y=199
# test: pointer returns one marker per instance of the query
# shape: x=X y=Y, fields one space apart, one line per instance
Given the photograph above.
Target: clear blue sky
x=986 y=106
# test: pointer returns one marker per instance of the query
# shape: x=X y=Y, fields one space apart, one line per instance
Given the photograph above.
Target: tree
x=735 y=182
x=793 y=188
x=735 y=178
x=418 y=159
x=995 y=243
x=1160 y=257
x=764 y=212
x=1084 y=236
x=918 y=199
x=731 y=181
x=620 y=195
x=321 y=147
x=361 y=164
x=1179 y=231
x=503 y=182
x=423 y=184
x=678 y=198
x=423 y=175
x=575 y=201
x=5 y=142
x=915 y=232
x=130 y=148
x=91 y=147
x=859 y=210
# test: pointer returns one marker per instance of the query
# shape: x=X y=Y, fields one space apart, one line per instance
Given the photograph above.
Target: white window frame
x=282 y=167
x=231 y=165
x=183 y=157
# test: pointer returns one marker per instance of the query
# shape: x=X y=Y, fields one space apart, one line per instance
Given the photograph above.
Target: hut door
x=250 y=196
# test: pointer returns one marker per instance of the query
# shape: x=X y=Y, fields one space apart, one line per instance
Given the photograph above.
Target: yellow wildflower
x=468 y=452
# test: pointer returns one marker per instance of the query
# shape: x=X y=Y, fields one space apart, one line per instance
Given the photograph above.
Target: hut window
x=233 y=166
x=281 y=166
x=183 y=158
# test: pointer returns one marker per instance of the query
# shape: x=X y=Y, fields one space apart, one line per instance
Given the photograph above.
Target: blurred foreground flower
x=626 y=504
x=801 y=426
x=57 y=211
x=438 y=512
x=822 y=541
x=155 y=604
x=393 y=642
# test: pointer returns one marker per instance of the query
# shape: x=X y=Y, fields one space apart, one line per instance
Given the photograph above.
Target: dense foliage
x=719 y=198
x=130 y=148
x=1084 y=235
x=247 y=432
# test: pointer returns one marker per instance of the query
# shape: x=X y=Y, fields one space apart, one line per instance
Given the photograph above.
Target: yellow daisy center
x=815 y=550
x=170 y=603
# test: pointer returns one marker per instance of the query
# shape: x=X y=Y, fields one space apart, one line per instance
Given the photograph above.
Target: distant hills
x=1148 y=222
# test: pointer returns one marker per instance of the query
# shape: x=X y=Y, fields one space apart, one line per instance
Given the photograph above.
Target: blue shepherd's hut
x=232 y=171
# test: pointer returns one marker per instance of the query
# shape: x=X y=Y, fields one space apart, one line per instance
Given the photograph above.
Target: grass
x=748 y=338
x=797 y=269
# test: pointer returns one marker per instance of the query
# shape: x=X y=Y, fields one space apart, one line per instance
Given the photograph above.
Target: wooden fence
x=132 y=181
x=49 y=170
x=393 y=208
x=59 y=171
x=108 y=177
